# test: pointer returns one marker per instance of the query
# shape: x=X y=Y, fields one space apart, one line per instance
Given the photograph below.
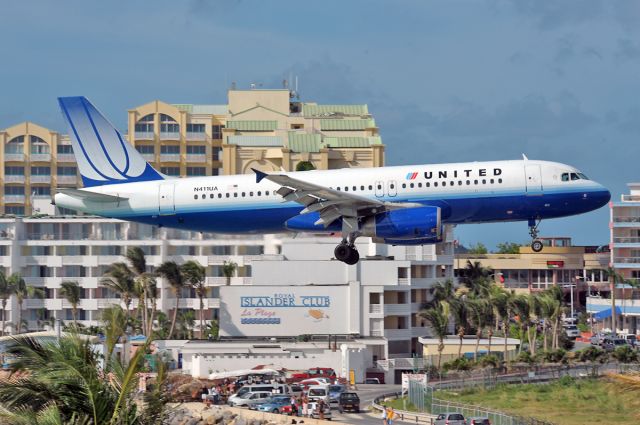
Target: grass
x=566 y=402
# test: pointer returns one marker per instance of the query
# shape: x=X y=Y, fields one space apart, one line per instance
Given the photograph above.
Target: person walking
x=391 y=415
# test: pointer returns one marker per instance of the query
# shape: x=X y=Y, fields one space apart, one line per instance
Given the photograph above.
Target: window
x=168 y=124
x=259 y=193
x=574 y=176
x=170 y=149
x=404 y=185
x=67 y=171
x=170 y=171
x=216 y=131
x=146 y=149
x=346 y=188
x=196 y=149
x=355 y=188
x=565 y=177
x=444 y=183
x=204 y=196
x=39 y=146
x=582 y=176
x=459 y=182
x=484 y=181
x=40 y=171
x=468 y=182
x=499 y=180
x=15 y=146
x=411 y=185
x=219 y=195
x=475 y=182
x=361 y=187
x=146 y=118
x=370 y=187
x=13 y=171
x=435 y=184
x=392 y=186
x=195 y=128
x=64 y=149
x=215 y=153
x=145 y=124
x=419 y=184
x=14 y=190
x=14 y=210
x=196 y=171
x=491 y=181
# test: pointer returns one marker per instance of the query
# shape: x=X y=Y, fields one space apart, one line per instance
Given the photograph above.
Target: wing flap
x=91 y=196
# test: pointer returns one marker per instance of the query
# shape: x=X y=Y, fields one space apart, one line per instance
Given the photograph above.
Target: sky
x=447 y=81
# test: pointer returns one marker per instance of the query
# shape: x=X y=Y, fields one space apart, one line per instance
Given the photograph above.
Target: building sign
x=555 y=264
x=283 y=311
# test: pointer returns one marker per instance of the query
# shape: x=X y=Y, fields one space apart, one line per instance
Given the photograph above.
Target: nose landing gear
x=536 y=244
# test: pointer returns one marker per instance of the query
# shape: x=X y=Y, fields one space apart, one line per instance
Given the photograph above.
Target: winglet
x=259 y=175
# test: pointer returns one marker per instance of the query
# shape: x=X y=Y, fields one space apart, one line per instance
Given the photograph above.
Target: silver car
x=450 y=419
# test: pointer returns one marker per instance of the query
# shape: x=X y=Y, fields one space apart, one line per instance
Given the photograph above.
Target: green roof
x=346 y=124
x=305 y=142
x=351 y=142
x=311 y=110
x=255 y=141
x=253 y=125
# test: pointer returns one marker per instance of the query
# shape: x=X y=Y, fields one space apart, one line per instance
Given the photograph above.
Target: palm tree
x=476 y=277
x=459 y=310
x=481 y=316
x=171 y=271
x=521 y=309
x=441 y=291
x=138 y=268
x=72 y=291
x=438 y=318
x=194 y=274
x=22 y=291
x=121 y=280
x=228 y=269
x=5 y=294
x=148 y=280
x=114 y=320
x=614 y=277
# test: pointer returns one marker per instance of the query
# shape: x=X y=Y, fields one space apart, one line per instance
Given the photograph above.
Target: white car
x=572 y=331
x=250 y=399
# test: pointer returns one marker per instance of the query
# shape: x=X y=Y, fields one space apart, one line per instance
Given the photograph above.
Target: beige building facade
x=269 y=130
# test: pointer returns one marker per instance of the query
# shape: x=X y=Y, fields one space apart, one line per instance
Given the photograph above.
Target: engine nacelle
x=421 y=225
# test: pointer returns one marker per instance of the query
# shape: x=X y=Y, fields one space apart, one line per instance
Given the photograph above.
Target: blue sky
x=447 y=81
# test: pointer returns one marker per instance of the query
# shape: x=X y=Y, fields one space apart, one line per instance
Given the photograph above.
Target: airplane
x=399 y=205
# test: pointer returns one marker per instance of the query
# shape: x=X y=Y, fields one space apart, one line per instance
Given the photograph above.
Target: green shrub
x=490 y=360
x=461 y=363
x=554 y=356
x=625 y=354
x=591 y=354
x=566 y=381
x=525 y=357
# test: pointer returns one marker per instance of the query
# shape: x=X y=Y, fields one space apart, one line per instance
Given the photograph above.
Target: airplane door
x=534 y=179
x=166 y=202
x=379 y=189
x=392 y=188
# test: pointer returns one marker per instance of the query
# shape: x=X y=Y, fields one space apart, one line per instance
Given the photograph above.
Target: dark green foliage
x=625 y=354
x=554 y=356
x=461 y=363
x=592 y=354
x=305 y=166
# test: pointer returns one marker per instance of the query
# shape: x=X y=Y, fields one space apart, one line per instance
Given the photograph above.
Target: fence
x=496 y=417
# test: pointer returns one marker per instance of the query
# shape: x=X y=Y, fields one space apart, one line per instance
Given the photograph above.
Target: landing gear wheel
x=353 y=258
x=536 y=245
x=347 y=254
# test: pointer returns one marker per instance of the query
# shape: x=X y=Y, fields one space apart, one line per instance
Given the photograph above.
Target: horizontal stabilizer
x=91 y=196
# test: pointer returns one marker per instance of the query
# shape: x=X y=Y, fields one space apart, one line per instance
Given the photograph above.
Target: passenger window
x=250 y=193
x=346 y=188
x=404 y=185
x=227 y=195
x=419 y=184
x=468 y=182
x=204 y=196
x=459 y=182
x=243 y=194
x=499 y=180
x=219 y=195
x=565 y=177
x=267 y=193
x=428 y=184
x=411 y=185
x=235 y=195
x=370 y=187
x=379 y=186
x=211 y=196
x=195 y=196
x=491 y=181
x=259 y=193
x=355 y=188
x=361 y=187
x=475 y=182
x=484 y=181
x=444 y=183
x=435 y=184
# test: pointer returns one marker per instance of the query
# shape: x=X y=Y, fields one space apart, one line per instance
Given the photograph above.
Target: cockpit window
x=574 y=176
x=582 y=176
x=565 y=177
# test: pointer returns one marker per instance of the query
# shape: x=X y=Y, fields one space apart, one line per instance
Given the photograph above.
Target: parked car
x=479 y=420
x=631 y=339
x=313 y=408
x=271 y=388
x=597 y=339
x=275 y=404
x=250 y=399
x=335 y=391
x=450 y=419
x=316 y=372
x=349 y=401
x=305 y=384
x=296 y=390
x=372 y=381
x=572 y=331
x=610 y=344
x=317 y=392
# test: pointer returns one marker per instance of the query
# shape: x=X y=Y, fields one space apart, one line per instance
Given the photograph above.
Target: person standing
x=391 y=415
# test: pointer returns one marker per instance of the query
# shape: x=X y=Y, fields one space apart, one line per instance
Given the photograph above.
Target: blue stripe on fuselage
x=465 y=209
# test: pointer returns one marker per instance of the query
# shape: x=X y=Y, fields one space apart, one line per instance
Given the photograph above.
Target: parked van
x=271 y=388
x=317 y=392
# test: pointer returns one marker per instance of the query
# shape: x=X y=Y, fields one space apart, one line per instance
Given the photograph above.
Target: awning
x=606 y=313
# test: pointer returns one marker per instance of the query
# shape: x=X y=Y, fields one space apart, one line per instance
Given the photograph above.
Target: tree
x=459 y=310
x=114 y=321
x=508 y=248
x=120 y=279
x=442 y=291
x=143 y=282
x=228 y=269
x=72 y=292
x=194 y=275
x=476 y=277
x=21 y=290
x=438 y=319
x=614 y=277
x=305 y=166
x=172 y=273
x=521 y=308
x=481 y=316
x=478 y=248
x=5 y=294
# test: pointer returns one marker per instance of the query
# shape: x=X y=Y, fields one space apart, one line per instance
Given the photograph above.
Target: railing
x=196 y=157
x=66 y=157
x=626 y=219
x=41 y=179
x=14 y=199
x=631 y=198
x=626 y=260
x=170 y=157
x=169 y=135
x=146 y=135
x=402 y=309
x=61 y=236
x=375 y=308
x=14 y=157
x=403 y=281
x=627 y=239
x=66 y=179
x=14 y=178
x=149 y=157
x=196 y=137
x=46 y=157
x=398 y=333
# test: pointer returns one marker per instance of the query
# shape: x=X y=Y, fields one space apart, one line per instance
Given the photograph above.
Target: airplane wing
x=91 y=196
x=329 y=203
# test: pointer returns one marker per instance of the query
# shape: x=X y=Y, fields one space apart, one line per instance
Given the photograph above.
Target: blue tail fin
x=102 y=154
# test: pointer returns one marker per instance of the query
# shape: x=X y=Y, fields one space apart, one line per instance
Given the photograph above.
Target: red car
x=316 y=372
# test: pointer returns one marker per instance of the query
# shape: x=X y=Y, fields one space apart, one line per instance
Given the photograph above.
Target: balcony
x=626 y=262
x=66 y=157
x=626 y=306
x=401 y=363
x=14 y=199
x=397 y=309
x=196 y=157
x=40 y=157
x=66 y=179
x=149 y=157
x=630 y=198
x=144 y=135
x=219 y=281
x=169 y=135
x=626 y=240
x=14 y=178
x=398 y=334
x=170 y=157
x=40 y=179
x=196 y=137
x=107 y=302
x=375 y=308
x=33 y=303
x=13 y=157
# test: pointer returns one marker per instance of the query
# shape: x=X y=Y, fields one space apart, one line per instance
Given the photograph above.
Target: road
x=367 y=394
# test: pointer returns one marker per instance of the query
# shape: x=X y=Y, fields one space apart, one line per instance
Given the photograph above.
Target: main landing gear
x=346 y=251
x=536 y=244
